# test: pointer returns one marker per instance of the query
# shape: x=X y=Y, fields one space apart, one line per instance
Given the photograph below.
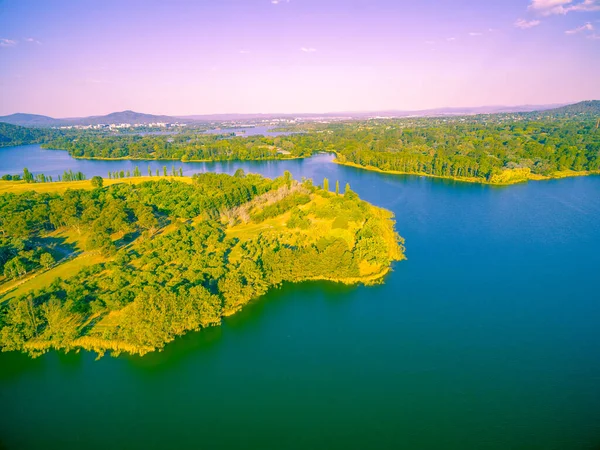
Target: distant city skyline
x=183 y=57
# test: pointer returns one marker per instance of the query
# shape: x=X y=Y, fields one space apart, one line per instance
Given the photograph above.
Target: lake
x=487 y=337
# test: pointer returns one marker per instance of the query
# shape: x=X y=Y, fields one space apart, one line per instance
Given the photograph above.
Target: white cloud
x=525 y=24
x=474 y=33
x=245 y=52
x=277 y=2
x=32 y=40
x=594 y=36
x=586 y=6
x=451 y=39
x=308 y=49
x=430 y=42
x=582 y=29
x=7 y=43
x=550 y=7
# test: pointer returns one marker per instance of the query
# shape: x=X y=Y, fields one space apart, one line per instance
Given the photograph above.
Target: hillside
x=586 y=108
x=128 y=116
x=30 y=120
x=11 y=135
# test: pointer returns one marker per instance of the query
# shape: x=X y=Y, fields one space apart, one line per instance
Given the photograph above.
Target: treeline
x=185 y=146
x=174 y=172
x=11 y=135
x=28 y=177
x=479 y=149
x=190 y=275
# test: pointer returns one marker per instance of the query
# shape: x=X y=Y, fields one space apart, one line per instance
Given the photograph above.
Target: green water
x=487 y=337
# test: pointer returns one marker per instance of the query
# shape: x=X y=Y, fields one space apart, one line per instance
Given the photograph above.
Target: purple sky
x=73 y=58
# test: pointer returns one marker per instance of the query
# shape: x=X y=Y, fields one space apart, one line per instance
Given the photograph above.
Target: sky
x=67 y=58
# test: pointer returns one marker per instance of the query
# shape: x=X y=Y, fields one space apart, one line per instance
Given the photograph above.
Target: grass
x=61 y=186
x=40 y=280
x=294 y=236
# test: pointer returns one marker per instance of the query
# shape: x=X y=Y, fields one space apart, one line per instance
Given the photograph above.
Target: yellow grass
x=61 y=186
x=39 y=280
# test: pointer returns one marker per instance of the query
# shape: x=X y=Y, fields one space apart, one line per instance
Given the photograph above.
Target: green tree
x=46 y=260
x=15 y=268
x=27 y=176
x=97 y=181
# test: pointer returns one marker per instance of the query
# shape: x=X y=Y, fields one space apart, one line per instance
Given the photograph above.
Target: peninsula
x=128 y=265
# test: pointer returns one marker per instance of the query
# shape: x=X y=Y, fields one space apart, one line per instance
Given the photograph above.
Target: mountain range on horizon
x=132 y=117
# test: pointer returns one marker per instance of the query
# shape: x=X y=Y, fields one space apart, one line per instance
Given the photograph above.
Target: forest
x=490 y=149
x=189 y=145
x=493 y=148
x=130 y=266
x=498 y=152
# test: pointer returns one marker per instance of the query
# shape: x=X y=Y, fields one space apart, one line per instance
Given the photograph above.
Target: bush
x=97 y=181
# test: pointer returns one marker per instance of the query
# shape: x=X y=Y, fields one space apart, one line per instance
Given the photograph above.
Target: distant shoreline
x=130 y=158
x=473 y=180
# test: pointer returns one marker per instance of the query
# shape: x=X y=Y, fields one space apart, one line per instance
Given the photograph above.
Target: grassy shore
x=505 y=179
x=61 y=186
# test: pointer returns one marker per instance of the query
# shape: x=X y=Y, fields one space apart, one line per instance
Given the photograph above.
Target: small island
x=127 y=265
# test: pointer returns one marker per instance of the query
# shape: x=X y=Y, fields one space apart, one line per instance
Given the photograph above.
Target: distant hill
x=458 y=111
x=130 y=117
x=30 y=120
x=589 y=107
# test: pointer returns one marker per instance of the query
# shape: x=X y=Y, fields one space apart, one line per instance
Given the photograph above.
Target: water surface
x=485 y=338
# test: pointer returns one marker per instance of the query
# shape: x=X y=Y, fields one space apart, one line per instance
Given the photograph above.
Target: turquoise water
x=487 y=337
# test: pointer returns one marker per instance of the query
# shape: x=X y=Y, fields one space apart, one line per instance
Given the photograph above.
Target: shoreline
x=473 y=180
x=129 y=158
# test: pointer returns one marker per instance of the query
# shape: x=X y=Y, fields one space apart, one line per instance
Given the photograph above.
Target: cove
x=485 y=338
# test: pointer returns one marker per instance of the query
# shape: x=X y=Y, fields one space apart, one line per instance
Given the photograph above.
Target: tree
x=46 y=260
x=326 y=184
x=337 y=187
x=97 y=181
x=15 y=268
x=27 y=176
x=287 y=177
